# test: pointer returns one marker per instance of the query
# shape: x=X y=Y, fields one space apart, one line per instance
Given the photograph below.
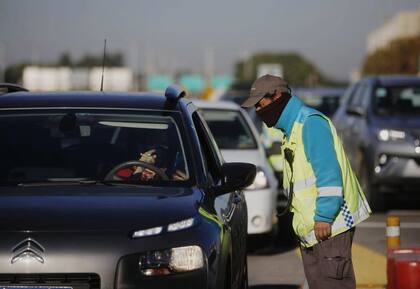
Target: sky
x=173 y=35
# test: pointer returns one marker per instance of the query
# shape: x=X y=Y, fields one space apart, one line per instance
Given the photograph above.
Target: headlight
x=147 y=232
x=260 y=182
x=173 y=227
x=184 y=224
x=386 y=135
x=175 y=260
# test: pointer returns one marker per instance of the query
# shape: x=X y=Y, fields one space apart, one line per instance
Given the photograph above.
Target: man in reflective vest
x=327 y=201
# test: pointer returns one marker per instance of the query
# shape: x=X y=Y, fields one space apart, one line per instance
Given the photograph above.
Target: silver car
x=239 y=141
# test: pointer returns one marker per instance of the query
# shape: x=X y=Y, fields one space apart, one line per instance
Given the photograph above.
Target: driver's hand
x=179 y=176
x=147 y=157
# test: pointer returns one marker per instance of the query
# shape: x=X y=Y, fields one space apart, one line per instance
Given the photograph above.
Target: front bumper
x=261 y=210
x=396 y=164
x=98 y=261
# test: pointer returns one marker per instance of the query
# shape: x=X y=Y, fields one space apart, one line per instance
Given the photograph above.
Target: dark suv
x=116 y=190
x=379 y=123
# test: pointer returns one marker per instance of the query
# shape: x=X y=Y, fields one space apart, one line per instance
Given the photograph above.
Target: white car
x=239 y=141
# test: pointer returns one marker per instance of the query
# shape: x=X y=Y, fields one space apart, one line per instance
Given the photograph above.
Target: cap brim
x=251 y=101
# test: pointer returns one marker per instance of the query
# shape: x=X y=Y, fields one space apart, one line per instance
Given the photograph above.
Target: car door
x=231 y=207
x=350 y=131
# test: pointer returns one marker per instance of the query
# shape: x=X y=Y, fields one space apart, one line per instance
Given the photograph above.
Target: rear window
x=229 y=128
x=396 y=100
x=81 y=146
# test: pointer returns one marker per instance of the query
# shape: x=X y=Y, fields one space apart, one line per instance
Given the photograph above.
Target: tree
x=115 y=59
x=65 y=60
x=401 y=56
x=297 y=70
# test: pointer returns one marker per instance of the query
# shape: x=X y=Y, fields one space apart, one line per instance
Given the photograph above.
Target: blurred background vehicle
x=324 y=99
x=238 y=140
x=379 y=123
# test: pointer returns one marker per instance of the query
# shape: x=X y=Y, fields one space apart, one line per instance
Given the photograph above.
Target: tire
x=375 y=199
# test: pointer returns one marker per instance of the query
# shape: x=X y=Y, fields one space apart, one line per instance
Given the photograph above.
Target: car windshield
x=85 y=146
x=230 y=129
x=396 y=100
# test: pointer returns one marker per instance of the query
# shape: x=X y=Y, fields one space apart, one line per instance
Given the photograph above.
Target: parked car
x=238 y=139
x=117 y=190
x=379 y=123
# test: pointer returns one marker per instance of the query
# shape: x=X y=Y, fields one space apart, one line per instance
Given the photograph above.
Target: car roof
x=395 y=80
x=88 y=99
x=220 y=104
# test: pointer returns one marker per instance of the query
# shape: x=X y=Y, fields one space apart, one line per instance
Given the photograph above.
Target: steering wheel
x=110 y=176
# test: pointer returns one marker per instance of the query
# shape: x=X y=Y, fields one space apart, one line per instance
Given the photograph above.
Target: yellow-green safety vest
x=355 y=208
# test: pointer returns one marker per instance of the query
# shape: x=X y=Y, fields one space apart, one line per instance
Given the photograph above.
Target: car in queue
x=238 y=139
x=379 y=123
x=117 y=190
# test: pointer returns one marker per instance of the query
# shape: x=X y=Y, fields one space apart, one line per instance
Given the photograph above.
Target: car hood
x=410 y=122
x=246 y=156
x=99 y=208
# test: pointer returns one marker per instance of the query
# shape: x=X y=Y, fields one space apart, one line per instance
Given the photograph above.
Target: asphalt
x=277 y=265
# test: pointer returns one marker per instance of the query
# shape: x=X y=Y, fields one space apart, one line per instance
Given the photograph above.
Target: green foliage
x=401 y=56
x=13 y=73
x=297 y=70
x=112 y=59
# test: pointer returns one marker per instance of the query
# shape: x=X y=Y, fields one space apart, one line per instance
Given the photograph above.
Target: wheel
x=371 y=190
x=110 y=176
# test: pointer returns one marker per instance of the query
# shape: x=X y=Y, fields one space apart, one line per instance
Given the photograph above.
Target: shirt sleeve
x=319 y=150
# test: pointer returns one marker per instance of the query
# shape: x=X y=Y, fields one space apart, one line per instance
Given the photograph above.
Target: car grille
x=415 y=133
x=76 y=281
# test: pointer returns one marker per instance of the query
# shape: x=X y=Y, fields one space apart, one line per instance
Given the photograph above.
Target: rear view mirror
x=356 y=111
x=236 y=177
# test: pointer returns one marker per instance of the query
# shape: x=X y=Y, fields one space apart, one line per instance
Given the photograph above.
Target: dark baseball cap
x=267 y=84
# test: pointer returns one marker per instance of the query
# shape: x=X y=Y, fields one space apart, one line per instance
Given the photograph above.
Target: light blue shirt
x=319 y=149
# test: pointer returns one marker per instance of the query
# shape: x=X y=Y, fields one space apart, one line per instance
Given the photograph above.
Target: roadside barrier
x=403 y=262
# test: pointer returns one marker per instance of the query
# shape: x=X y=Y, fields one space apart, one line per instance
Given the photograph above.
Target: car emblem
x=28 y=249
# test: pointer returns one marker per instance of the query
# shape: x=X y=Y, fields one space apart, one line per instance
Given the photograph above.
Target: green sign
x=192 y=82
x=221 y=81
x=159 y=82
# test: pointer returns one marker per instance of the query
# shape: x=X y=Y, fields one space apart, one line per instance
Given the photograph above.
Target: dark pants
x=328 y=264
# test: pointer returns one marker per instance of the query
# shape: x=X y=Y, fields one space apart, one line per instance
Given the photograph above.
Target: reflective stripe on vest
x=354 y=209
x=330 y=192
x=340 y=225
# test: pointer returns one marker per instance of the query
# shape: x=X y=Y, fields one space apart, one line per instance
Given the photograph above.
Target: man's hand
x=322 y=230
x=179 y=176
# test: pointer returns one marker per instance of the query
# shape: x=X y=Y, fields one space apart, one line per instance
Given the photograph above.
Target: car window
x=73 y=145
x=357 y=97
x=209 y=148
x=348 y=94
x=229 y=128
x=396 y=100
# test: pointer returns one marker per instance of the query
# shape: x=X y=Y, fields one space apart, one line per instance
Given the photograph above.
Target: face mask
x=271 y=113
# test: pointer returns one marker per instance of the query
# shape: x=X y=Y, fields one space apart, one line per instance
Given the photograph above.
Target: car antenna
x=103 y=66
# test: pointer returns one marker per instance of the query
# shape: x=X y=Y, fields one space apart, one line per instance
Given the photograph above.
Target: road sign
x=192 y=82
x=159 y=82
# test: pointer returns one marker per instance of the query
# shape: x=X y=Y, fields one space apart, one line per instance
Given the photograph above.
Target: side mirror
x=236 y=177
x=356 y=111
x=275 y=149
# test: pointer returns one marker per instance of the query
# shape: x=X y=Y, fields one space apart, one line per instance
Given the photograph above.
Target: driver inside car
x=160 y=157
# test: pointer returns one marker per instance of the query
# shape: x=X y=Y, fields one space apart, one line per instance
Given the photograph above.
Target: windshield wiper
x=64 y=182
